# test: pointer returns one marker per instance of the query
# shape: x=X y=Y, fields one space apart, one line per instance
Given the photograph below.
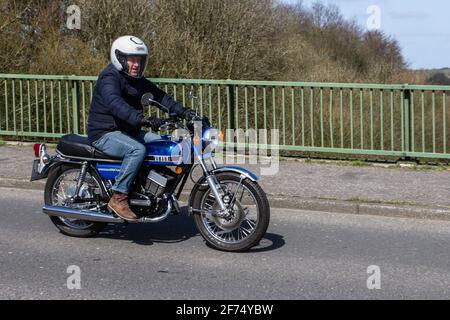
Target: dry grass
x=237 y=39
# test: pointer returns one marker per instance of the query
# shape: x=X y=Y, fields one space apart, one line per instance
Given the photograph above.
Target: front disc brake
x=237 y=215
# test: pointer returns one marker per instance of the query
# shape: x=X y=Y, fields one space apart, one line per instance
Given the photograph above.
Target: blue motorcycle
x=229 y=208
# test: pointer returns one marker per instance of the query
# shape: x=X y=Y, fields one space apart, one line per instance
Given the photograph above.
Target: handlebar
x=174 y=119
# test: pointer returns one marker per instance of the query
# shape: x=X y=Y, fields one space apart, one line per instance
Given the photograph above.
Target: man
x=116 y=115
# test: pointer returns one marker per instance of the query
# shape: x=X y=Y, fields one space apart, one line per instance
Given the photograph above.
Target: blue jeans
x=120 y=145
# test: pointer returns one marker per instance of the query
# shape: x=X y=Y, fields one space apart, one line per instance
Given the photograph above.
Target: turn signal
x=196 y=140
x=179 y=170
x=221 y=136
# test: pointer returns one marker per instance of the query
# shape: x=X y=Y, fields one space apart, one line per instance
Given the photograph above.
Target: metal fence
x=361 y=119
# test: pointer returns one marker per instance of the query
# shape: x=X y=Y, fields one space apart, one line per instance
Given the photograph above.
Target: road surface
x=305 y=255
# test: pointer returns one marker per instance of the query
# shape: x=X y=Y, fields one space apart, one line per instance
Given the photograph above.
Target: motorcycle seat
x=76 y=146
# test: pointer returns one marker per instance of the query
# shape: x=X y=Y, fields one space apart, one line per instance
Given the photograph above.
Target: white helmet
x=124 y=47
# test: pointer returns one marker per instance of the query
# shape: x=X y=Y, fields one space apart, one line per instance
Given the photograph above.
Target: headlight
x=212 y=136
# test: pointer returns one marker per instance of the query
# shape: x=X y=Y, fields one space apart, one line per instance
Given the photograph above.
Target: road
x=305 y=255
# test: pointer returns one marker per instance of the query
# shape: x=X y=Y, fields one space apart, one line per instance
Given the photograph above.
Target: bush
x=237 y=39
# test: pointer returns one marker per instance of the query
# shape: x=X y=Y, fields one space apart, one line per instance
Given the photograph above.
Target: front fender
x=234 y=169
x=247 y=173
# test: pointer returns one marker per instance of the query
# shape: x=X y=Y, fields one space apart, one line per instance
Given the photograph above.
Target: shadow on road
x=270 y=241
x=174 y=229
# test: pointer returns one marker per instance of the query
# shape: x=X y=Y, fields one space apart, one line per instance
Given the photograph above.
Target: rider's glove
x=153 y=123
x=190 y=114
x=205 y=122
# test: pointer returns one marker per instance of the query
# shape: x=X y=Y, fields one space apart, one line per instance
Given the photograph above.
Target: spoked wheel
x=247 y=219
x=60 y=188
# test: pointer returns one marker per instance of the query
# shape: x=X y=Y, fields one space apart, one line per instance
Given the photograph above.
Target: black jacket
x=116 y=103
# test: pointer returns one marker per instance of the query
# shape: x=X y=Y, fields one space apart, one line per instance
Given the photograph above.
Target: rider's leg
x=117 y=144
x=147 y=136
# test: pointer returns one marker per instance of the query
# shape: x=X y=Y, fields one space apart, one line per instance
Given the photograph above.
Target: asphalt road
x=305 y=255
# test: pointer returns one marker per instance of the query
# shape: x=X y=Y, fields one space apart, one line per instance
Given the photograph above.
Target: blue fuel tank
x=164 y=152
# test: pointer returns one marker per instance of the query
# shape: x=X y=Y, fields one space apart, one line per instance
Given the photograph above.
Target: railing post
x=230 y=106
x=230 y=110
x=75 y=108
x=407 y=122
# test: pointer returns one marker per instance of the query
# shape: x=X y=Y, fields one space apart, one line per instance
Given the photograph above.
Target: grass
x=356 y=199
x=361 y=163
x=2 y=143
x=362 y=200
x=427 y=167
x=354 y=163
x=420 y=167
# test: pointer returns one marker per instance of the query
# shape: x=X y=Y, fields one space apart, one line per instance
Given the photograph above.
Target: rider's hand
x=205 y=122
x=189 y=114
x=153 y=123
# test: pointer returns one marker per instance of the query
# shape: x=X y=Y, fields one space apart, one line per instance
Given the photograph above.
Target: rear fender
x=35 y=175
x=55 y=165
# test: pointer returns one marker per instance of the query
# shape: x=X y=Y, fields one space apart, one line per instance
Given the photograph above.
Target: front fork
x=224 y=201
x=211 y=179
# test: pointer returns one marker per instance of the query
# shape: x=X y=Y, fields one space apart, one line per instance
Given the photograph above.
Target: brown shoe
x=119 y=204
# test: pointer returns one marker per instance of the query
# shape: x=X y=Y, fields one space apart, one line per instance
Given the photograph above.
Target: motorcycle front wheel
x=249 y=218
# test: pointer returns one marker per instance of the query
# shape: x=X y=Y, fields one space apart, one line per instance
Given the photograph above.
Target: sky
x=422 y=27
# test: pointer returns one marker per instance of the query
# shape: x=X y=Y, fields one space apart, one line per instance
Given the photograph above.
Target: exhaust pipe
x=79 y=214
x=163 y=216
x=101 y=217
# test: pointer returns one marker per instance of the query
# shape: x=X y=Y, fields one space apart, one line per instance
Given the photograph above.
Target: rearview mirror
x=147 y=99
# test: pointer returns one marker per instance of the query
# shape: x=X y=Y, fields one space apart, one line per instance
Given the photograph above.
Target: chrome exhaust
x=161 y=217
x=79 y=214
x=101 y=217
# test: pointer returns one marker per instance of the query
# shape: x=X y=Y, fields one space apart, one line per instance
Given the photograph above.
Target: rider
x=116 y=115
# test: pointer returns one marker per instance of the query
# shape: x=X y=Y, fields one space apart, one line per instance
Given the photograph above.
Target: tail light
x=41 y=152
x=37 y=149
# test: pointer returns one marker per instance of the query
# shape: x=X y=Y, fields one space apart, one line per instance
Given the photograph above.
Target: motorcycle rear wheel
x=55 y=194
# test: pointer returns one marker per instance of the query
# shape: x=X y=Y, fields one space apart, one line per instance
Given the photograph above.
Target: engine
x=150 y=200
x=156 y=184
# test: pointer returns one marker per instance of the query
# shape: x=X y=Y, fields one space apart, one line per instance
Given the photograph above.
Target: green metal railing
x=407 y=121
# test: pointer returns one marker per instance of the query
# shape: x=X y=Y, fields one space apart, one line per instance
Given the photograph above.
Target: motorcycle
x=229 y=208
